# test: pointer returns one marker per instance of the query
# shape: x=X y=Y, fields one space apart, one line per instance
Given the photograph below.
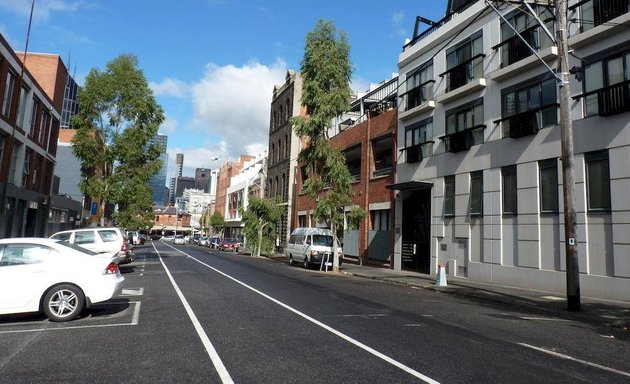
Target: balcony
x=415 y=153
x=594 y=17
x=466 y=75
x=418 y=95
x=613 y=99
x=522 y=124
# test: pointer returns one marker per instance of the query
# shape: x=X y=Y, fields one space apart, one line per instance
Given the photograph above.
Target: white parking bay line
x=567 y=357
x=212 y=353
x=357 y=343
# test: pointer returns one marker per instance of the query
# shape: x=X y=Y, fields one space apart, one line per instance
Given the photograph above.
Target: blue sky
x=212 y=64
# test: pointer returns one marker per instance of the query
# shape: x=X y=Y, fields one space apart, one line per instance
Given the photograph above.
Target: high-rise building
x=202 y=179
x=70 y=104
x=179 y=167
x=158 y=181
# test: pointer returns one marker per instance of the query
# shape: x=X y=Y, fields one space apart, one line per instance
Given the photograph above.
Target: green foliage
x=117 y=118
x=326 y=72
x=217 y=221
x=259 y=219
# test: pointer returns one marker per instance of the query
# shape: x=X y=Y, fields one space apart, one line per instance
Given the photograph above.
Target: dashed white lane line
x=357 y=343
x=212 y=353
x=567 y=357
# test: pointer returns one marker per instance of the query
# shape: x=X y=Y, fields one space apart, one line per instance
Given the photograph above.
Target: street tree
x=326 y=70
x=260 y=218
x=217 y=222
x=117 y=119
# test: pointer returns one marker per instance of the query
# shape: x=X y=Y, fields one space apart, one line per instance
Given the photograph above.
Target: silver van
x=311 y=246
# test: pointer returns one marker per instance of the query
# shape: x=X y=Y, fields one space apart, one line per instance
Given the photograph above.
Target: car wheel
x=291 y=261
x=63 y=302
x=305 y=263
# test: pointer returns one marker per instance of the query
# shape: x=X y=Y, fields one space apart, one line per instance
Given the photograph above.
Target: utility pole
x=568 y=185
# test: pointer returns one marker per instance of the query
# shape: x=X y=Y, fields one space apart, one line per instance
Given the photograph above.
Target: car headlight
x=314 y=253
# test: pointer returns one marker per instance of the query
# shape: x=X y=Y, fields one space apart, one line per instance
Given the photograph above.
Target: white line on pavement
x=212 y=353
x=567 y=357
x=366 y=348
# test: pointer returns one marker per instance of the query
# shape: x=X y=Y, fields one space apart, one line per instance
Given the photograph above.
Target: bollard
x=441 y=276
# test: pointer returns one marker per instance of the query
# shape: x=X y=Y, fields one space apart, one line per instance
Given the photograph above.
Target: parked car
x=168 y=238
x=214 y=242
x=99 y=240
x=203 y=241
x=195 y=239
x=56 y=277
x=229 y=244
x=311 y=246
x=179 y=239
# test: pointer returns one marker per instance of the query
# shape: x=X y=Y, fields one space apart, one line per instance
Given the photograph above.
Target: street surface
x=190 y=314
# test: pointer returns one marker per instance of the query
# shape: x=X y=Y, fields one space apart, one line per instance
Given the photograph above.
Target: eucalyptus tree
x=217 y=222
x=118 y=118
x=260 y=218
x=326 y=70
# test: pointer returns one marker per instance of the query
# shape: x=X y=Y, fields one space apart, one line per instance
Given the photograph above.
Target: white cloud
x=169 y=126
x=170 y=87
x=200 y=157
x=43 y=8
x=398 y=16
x=234 y=103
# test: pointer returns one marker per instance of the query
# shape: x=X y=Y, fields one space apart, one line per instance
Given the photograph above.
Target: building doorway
x=416 y=231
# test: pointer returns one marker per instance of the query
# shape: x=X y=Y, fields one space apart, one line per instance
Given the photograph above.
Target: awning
x=413 y=185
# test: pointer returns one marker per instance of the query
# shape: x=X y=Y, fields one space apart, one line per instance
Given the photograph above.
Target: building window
x=548 y=185
x=464 y=62
x=464 y=126
x=509 y=190
x=2 y=141
x=526 y=108
x=353 y=161
x=607 y=85
x=449 y=195
x=302 y=221
x=418 y=141
x=8 y=93
x=598 y=12
x=27 y=166
x=598 y=181
x=512 y=46
x=380 y=220
x=14 y=161
x=21 y=110
x=32 y=123
x=419 y=86
x=382 y=155
x=476 y=193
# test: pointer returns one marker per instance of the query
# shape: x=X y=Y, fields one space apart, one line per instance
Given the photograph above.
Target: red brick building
x=370 y=151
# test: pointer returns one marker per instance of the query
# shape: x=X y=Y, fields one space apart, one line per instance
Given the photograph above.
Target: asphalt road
x=193 y=315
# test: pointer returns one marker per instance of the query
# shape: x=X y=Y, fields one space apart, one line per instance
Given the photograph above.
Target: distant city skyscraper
x=158 y=181
x=179 y=167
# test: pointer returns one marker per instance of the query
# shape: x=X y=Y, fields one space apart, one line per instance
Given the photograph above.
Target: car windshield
x=229 y=241
x=76 y=248
x=323 y=240
x=179 y=236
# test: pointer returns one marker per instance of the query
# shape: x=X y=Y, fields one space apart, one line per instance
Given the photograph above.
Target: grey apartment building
x=479 y=178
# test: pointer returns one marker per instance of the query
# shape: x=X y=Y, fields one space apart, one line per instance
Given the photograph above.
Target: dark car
x=229 y=244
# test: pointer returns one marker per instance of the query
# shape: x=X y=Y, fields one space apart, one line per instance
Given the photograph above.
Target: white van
x=308 y=246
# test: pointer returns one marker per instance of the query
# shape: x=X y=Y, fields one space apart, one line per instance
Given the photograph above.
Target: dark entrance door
x=416 y=231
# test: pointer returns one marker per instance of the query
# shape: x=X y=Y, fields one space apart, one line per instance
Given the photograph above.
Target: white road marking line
x=553 y=298
x=134 y=321
x=542 y=318
x=132 y=292
x=357 y=343
x=567 y=357
x=212 y=353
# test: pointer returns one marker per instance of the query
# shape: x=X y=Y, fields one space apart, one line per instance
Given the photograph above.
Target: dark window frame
x=549 y=193
x=604 y=198
x=509 y=189
x=476 y=193
x=449 y=196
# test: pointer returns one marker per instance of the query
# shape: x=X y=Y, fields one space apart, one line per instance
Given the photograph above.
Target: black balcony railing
x=462 y=73
x=436 y=25
x=419 y=95
x=603 y=11
x=614 y=99
x=523 y=124
x=515 y=49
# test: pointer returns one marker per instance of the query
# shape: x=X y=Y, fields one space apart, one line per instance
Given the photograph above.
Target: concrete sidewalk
x=610 y=315
x=597 y=312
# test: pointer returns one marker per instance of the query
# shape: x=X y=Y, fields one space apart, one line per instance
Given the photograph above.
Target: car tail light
x=123 y=247
x=111 y=269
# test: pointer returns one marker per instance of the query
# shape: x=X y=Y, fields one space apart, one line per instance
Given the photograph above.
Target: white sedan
x=60 y=279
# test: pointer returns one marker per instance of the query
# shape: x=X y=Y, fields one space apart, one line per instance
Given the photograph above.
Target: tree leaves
x=118 y=116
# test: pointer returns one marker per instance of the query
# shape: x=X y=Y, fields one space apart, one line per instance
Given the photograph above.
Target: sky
x=212 y=64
